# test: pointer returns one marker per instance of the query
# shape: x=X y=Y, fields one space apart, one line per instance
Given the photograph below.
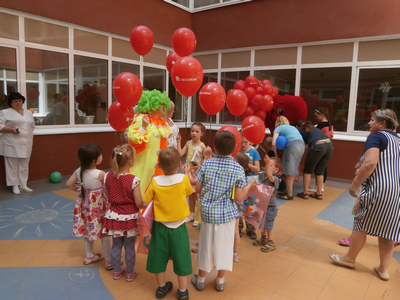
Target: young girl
x=196 y=132
x=90 y=204
x=123 y=192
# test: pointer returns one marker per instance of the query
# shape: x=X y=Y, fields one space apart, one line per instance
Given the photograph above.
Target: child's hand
x=178 y=138
x=145 y=121
x=207 y=153
x=253 y=183
x=267 y=159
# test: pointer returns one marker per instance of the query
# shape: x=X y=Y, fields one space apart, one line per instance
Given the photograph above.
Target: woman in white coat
x=16 y=127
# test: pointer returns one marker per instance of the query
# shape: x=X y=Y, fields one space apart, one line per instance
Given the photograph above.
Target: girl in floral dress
x=123 y=191
x=90 y=205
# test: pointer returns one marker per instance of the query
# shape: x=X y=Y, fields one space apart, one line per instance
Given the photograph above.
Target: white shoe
x=16 y=190
x=25 y=189
x=189 y=219
x=314 y=189
x=195 y=224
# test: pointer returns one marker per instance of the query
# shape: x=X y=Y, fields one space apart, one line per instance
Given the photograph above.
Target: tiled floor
x=39 y=259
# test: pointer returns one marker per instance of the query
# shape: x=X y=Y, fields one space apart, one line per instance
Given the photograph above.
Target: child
x=90 y=204
x=242 y=159
x=273 y=166
x=254 y=167
x=216 y=178
x=124 y=137
x=123 y=191
x=170 y=238
x=196 y=132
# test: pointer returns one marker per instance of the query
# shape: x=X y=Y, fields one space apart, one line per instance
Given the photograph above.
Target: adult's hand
x=145 y=121
x=353 y=190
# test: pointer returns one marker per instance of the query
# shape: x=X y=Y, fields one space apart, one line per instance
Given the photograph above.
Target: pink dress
x=88 y=212
x=120 y=219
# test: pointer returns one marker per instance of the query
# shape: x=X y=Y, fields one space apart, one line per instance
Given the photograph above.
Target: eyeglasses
x=245 y=142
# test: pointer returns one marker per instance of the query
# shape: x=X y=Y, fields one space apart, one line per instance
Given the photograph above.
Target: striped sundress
x=379 y=210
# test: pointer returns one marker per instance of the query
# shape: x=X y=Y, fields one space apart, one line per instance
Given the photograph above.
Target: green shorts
x=165 y=243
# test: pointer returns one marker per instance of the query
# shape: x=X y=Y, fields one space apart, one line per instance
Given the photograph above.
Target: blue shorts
x=292 y=156
x=272 y=212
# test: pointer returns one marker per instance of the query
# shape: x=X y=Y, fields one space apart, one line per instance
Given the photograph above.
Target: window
x=283 y=80
x=153 y=79
x=378 y=88
x=328 y=88
x=8 y=74
x=90 y=90
x=180 y=106
x=47 y=86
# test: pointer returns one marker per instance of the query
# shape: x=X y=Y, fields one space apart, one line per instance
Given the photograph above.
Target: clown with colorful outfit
x=148 y=134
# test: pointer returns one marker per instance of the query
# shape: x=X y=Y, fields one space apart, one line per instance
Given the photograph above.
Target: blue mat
x=52 y=283
x=38 y=217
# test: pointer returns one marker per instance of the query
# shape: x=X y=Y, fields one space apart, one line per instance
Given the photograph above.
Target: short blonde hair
x=171 y=107
x=281 y=120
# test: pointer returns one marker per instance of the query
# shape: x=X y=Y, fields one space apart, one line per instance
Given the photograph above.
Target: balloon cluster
x=89 y=98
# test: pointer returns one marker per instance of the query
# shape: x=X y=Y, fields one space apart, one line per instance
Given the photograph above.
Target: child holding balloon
x=193 y=148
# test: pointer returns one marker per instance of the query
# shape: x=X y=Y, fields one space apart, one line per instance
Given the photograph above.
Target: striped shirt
x=218 y=176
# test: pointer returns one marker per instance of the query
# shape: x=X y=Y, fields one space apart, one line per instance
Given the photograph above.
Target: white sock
x=182 y=290
x=201 y=279
x=192 y=214
x=89 y=248
x=220 y=280
x=106 y=245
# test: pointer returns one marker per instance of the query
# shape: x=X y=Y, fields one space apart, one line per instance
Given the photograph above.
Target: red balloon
x=142 y=39
x=240 y=85
x=260 y=90
x=236 y=102
x=212 y=98
x=253 y=129
x=237 y=135
x=252 y=81
x=187 y=76
x=127 y=89
x=267 y=89
x=183 y=41
x=256 y=101
x=267 y=103
x=261 y=114
x=274 y=92
x=249 y=111
x=120 y=117
x=171 y=60
x=250 y=92
x=266 y=82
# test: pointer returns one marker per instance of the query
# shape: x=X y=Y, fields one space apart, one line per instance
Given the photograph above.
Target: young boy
x=273 y=166
x=254 y=167
x=216 y=179
x=170 y=237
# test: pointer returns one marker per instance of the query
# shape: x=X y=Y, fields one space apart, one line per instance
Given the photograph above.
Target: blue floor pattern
x=52 y=283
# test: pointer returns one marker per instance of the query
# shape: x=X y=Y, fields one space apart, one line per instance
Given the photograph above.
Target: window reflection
x=198 y=114
x=377 y=89
x=47 y=86
x=228 y=80
x=283 y=80
x=90 y=90
x=8 y=74
x=328 y=88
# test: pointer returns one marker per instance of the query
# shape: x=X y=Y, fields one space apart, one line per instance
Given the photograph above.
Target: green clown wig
x=150 y=101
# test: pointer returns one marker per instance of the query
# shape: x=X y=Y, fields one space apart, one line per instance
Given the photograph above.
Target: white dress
x=171 y=140
x=16 y=145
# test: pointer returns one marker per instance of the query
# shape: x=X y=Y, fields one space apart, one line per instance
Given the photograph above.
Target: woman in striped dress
x=379 y=209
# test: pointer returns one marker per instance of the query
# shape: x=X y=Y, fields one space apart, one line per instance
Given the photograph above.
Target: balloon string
x=115 y=138
x=262 y=148
x=209 y=137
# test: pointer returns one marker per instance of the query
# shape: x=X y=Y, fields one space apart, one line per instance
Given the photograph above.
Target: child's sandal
x=268 y=248
x=316 y=196
x=260 y=242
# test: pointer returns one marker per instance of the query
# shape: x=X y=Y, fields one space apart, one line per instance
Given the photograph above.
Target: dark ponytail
x=87 y=154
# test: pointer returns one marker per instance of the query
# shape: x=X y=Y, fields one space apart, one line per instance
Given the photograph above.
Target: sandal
x=316 y=196
x=302 y=195
x=345 y=242
x=268 y=248
x=130 y=277
x=252 y=235
x=118 y=275
x=286 y=197
x=337 y=259
x=261 y=242
x=89 y=260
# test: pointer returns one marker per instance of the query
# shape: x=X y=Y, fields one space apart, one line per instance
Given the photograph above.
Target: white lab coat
x=16 y=145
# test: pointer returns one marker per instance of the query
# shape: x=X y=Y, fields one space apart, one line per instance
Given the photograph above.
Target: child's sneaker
x=118 y=275
x=195 y=224
x=235 y=257
x=268 y=247
x=219 y=286
x=162 y=292
x=189 y=219
x=95 y=258
x=183 y=295
x=130 y=277
x=198 y=285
